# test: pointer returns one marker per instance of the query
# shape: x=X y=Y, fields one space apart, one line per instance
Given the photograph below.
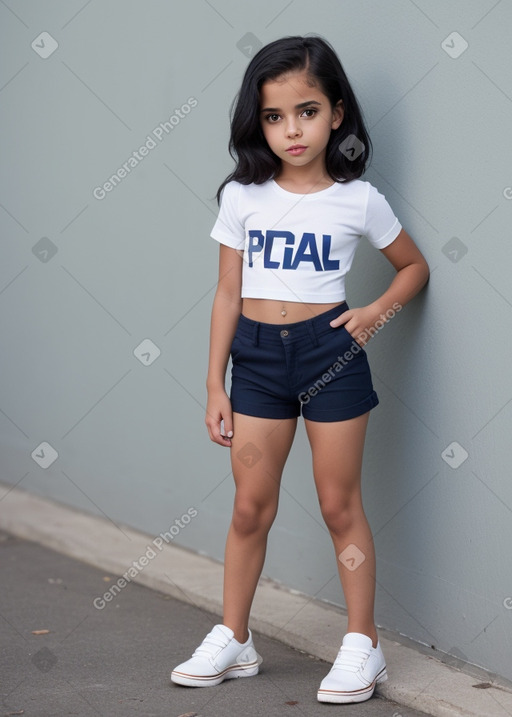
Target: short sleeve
x=381 y=227
x=228 y=229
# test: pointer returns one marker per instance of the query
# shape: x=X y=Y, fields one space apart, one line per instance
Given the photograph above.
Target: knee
x=339 y=516
x=250 y=517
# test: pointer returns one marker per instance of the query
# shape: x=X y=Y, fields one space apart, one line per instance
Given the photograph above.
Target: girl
x=291 y=216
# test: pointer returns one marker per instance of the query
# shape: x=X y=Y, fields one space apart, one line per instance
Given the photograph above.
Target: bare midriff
x=271 y=311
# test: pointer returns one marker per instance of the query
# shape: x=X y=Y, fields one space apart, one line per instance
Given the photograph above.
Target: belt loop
x=312 y=333
x=256 y=333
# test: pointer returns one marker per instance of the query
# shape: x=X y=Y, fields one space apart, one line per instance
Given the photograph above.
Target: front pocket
x=344 y=336
x=234 y=350
x=345 y=344
x=238 y=347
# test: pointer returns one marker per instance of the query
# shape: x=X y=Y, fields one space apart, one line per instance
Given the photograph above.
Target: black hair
x=255 y=161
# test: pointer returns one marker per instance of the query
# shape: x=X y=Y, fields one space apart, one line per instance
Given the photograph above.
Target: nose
x=292 y=129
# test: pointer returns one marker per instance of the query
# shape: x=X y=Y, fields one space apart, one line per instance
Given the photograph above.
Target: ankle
x=242 y=637
x=241 y=634
x=369 y=632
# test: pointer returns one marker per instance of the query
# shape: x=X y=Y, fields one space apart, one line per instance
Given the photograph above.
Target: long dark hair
x=255 y=161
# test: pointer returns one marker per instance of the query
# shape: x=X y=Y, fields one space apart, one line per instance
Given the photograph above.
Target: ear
x=338 y=113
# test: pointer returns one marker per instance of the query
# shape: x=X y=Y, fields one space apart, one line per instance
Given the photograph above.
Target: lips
x=296 y=149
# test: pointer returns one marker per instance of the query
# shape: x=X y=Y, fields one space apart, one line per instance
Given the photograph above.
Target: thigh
x=259 y=449
x=337 y=449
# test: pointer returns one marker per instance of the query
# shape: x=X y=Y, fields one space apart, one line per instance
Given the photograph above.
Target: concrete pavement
x=116 y=661
x=418 y=678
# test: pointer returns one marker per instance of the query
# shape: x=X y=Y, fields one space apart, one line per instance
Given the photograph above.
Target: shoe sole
x=230 y=673
x=340 y=697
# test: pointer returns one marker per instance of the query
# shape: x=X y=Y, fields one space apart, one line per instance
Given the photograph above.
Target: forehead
x=289 y=90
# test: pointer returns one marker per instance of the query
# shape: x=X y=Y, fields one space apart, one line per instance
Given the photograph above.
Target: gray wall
x=85 y=280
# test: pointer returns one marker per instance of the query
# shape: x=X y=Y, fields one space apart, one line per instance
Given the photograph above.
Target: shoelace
x=211 y=644
x=350 y=658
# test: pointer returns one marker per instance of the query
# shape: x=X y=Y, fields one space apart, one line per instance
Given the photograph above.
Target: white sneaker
x=219 y=657
x=356 y=670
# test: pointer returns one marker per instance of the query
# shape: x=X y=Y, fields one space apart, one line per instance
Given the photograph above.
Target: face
x=297 y=119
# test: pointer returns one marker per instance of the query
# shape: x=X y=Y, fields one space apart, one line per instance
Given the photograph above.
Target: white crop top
x=299 y=247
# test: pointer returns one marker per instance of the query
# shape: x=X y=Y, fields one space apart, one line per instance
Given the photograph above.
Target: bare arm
x=412 y=275
x=226 y=309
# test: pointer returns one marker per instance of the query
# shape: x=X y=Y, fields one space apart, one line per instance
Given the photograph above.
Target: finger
x=223 y=441
x=226 y=428
x=216 y=433
x=341 y=319
x=210 y=432
x=217 y=437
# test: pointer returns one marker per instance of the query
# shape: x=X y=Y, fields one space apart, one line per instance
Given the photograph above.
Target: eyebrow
x=297 y=107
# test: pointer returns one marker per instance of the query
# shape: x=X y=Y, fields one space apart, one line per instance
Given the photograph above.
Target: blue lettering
x=269 y=243
x=256 y=241
x=307 y=250
x=307 y=241
x=329 y=264
x=288 y=251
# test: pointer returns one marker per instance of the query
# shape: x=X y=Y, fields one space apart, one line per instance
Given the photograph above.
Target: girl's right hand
x=219 y=409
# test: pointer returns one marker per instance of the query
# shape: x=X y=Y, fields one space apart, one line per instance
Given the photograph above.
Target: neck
x=303 y=184
x=308 y=178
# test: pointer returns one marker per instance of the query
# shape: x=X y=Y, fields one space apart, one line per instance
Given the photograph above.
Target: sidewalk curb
x=416 y=680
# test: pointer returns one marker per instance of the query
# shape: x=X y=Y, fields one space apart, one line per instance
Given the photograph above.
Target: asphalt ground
x=117 y=661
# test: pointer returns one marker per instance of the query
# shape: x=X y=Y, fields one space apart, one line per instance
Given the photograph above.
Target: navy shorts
x=281 y=370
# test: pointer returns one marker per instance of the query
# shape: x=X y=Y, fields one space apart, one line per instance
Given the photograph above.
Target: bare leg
x=337 y=458
x=259 y=451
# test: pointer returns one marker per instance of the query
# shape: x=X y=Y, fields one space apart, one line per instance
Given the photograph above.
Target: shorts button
x=284 y=333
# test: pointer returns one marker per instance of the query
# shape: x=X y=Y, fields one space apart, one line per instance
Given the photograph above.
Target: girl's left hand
x=360 y=323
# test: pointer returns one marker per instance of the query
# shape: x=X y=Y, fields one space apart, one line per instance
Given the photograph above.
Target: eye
x=272 y=118
x=310 y=112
